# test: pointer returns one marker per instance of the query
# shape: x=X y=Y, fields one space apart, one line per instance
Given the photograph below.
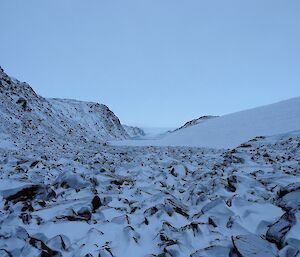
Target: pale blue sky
x=155 y=62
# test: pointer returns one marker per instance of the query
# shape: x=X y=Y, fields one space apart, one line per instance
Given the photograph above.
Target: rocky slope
x=25 y=115
x=63 y=192
x=196 y=121
x=95 y=200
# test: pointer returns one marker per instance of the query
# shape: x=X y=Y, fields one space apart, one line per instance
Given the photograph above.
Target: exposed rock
x=279 y=229
x=196 y=121
x=290 y=201
x=231 y=183
x=96 y=203
x=45 y=250
x=27 y=194
x=288 y=189
x=85 y=213
x=253 y=246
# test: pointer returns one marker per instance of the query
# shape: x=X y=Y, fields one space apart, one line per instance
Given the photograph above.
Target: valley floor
x=102 y=200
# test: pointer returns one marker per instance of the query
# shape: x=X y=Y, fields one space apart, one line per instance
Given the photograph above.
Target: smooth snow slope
x=233 y=129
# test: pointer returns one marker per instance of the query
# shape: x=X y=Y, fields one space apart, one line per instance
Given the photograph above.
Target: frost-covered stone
x=253 y=246
x=213 y=251
x=279 y=229
x=290 y=201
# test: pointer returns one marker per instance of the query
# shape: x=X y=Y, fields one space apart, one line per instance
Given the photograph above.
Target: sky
x=155 y=63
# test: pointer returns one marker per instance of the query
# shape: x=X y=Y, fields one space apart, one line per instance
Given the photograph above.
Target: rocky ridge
x=26 y=116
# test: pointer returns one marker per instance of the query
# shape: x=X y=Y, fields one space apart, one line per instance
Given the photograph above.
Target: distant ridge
x=231 y=130
x=196 y=121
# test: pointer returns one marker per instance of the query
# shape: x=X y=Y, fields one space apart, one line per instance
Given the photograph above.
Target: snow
x=134 y=132
x=182 y=192
x=231 y=130
x=155 y=132
x=154 y=200
x=24 y=115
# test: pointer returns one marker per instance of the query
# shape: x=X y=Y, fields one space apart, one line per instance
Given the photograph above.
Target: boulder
x=253 y=246
x=280 y=228
x=213 y=251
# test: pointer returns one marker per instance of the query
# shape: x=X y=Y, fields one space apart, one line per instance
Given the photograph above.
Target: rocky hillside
x=196 y=121
x=24 y=115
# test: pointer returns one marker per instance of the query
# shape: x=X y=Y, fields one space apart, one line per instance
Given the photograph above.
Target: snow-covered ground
x=102 y=200
x=64 y=191
x=233 y=129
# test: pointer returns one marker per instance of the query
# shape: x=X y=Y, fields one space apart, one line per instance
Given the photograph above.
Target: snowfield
x=69 y=193
x=231 y=130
